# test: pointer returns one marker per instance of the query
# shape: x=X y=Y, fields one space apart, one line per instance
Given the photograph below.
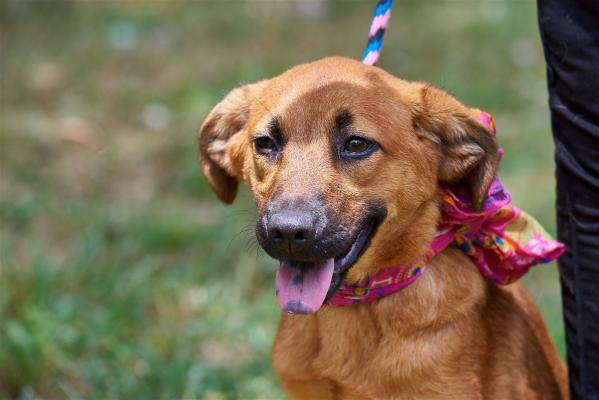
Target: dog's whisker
x=245 y=231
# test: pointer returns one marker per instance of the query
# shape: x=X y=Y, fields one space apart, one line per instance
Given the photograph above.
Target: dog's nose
x=291 y=231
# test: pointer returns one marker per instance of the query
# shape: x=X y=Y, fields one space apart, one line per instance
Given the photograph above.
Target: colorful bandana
x=502 y=241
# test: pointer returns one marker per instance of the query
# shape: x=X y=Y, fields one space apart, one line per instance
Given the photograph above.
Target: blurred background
x=121 y=275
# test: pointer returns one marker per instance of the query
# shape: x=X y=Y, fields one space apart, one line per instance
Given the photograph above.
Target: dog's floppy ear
x=469 y=151
x=220 y=150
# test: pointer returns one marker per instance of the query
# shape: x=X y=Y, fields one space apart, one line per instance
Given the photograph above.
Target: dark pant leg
x=570 y=34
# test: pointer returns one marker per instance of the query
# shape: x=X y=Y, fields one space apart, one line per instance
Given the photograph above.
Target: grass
x=121 y=276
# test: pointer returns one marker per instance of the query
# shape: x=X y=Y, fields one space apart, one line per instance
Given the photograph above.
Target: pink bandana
x=502 y=241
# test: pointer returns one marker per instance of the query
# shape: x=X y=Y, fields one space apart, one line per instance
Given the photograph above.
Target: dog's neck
x=449 y=289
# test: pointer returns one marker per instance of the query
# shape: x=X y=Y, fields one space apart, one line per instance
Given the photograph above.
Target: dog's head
x=344 y=162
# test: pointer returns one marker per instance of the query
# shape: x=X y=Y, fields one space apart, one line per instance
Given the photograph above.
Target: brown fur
x=451 y=334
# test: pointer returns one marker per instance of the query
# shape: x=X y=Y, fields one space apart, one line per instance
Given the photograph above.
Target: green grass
x=121 y=276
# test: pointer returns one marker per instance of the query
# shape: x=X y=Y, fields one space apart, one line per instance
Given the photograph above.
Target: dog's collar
x=502 y=241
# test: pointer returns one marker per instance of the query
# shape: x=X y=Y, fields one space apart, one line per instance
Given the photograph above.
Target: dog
x=339 y=155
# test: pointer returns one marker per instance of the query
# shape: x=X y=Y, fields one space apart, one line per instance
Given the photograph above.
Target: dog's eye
x=265 y=145
x=357 y=146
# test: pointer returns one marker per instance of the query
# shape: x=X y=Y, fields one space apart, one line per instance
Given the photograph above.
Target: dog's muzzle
x=314 y=248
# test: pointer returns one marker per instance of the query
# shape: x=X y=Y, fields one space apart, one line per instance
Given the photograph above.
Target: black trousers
x=570 y=34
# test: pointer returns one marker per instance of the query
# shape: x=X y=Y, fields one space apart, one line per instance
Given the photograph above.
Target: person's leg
x=570 y=34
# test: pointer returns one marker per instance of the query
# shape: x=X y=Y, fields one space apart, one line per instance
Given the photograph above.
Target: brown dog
x=333 y=149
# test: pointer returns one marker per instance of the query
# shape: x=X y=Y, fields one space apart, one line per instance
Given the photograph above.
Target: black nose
x=291 y=231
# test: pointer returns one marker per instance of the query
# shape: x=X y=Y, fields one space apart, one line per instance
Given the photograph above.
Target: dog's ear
x=220 y=141
x=470 y=153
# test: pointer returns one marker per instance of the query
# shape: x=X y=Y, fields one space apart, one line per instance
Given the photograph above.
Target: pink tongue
x=302 y=290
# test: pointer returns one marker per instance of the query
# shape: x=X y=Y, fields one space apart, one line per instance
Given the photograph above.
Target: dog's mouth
x=303 y=288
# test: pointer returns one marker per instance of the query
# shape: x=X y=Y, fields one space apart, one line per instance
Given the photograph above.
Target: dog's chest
x=359 y=355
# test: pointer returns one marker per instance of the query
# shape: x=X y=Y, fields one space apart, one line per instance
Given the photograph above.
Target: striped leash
x=380 y=20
